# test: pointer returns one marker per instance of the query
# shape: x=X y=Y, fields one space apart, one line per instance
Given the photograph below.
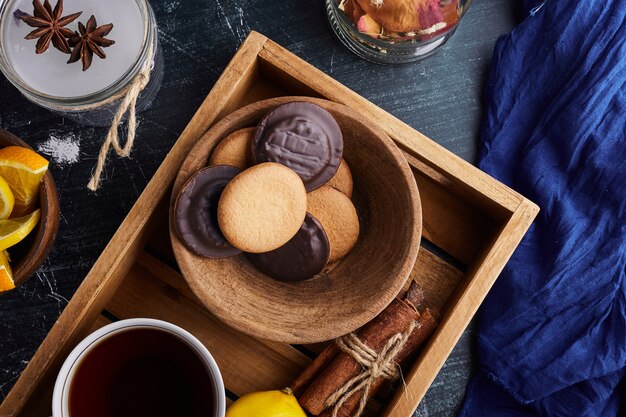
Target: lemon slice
x=6 y=199
x=6 y=275
x=13 y=231
x=23 y=170
x=266 y=404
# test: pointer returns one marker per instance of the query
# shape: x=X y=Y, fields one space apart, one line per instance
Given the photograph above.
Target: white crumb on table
x=170 y=6
x=62 y=150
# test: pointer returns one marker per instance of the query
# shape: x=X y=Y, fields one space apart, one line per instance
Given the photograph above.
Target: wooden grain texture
x=354 y=292
x=246 y=364
x=173 y=278
x=453 y=233
x=439 y=96
x=470 y=182
x=119 y=255
x=108 y=273
x=437 y=277
x=31 y=253
x=41 y=398
x=86 y=305
x=467 y=298
x=451 y=223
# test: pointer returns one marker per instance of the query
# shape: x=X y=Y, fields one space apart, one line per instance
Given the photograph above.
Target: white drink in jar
x=48 y=80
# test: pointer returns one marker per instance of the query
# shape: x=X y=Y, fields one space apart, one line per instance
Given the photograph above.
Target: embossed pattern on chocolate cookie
x=303 y=257
x=196 y=212
x=304 y=137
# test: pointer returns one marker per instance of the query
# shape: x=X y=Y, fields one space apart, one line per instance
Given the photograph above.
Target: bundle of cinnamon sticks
x=348 y=373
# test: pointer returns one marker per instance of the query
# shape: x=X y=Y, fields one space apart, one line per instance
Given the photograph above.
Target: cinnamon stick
x=310 y=373
x=427 y=325
x=415 y=295
x=396 y=318
x=333 y=368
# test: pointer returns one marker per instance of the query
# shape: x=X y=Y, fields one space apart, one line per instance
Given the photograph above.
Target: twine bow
x=128 y=104
x=375 y=365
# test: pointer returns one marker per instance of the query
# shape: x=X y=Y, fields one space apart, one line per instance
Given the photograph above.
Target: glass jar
x=394 y=31
x=89 y=97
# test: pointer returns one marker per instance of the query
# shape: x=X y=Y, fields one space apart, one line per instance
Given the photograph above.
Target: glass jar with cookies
x=395 y=31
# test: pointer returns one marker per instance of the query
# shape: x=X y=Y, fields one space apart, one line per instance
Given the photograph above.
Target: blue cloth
x=552 y=332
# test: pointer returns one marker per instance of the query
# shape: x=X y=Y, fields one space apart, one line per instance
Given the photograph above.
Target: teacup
x=139 y=367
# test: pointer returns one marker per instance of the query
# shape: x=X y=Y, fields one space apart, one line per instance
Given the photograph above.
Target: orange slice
x=13 y=231
x=23 y=170
x=6 y=199
x=6 y=275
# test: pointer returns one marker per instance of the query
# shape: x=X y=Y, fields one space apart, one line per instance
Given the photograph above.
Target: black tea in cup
x=142 y=371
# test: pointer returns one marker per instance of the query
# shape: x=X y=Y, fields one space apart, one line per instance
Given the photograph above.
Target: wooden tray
x=472 y=225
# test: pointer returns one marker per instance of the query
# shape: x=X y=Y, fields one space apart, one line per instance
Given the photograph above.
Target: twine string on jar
x=375 y=365
x=128 y=96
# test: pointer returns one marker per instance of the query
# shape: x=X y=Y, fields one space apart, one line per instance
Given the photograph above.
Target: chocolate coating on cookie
x=196 y=212
x=303 y=257
x=304 y=137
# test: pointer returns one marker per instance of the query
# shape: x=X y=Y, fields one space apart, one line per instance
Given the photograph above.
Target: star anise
x=50 y=26
x=89 y=41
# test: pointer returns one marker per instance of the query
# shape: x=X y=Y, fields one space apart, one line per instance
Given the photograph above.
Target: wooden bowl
x=28 y=255
x=360 y=287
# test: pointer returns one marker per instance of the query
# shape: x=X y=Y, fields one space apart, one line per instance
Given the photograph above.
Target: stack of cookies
x=280 y=193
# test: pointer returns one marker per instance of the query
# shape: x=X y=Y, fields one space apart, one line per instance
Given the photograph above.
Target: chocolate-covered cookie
x=303 y=257
x=196 y=212
x=304 y=137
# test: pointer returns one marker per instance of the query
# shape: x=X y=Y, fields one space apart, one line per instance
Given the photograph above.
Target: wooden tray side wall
x=467 y=180
x=494 y=220
x=121 y=252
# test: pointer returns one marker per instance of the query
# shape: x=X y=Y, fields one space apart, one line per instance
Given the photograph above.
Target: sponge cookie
x=337 y=214
x=262 y=208
x=342 y=180
x=234 y=149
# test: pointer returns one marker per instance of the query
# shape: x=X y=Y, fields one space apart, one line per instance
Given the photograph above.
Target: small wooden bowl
x=28 y=255
x=353 y=293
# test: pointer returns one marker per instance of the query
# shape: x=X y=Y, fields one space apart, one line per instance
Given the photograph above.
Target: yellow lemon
x=23 y=170
x=13 y=231
x=6 y=275
x=6 y=199
x=266 y=404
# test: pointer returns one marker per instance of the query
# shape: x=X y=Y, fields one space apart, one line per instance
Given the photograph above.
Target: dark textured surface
x=439 y=96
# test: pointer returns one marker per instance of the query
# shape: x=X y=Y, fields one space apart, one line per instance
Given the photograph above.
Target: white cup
x=60 y=398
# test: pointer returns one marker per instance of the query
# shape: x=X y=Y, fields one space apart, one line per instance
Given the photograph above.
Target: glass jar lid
x=47 y=77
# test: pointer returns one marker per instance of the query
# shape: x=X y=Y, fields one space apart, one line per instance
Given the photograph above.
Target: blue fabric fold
x=552 y=331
